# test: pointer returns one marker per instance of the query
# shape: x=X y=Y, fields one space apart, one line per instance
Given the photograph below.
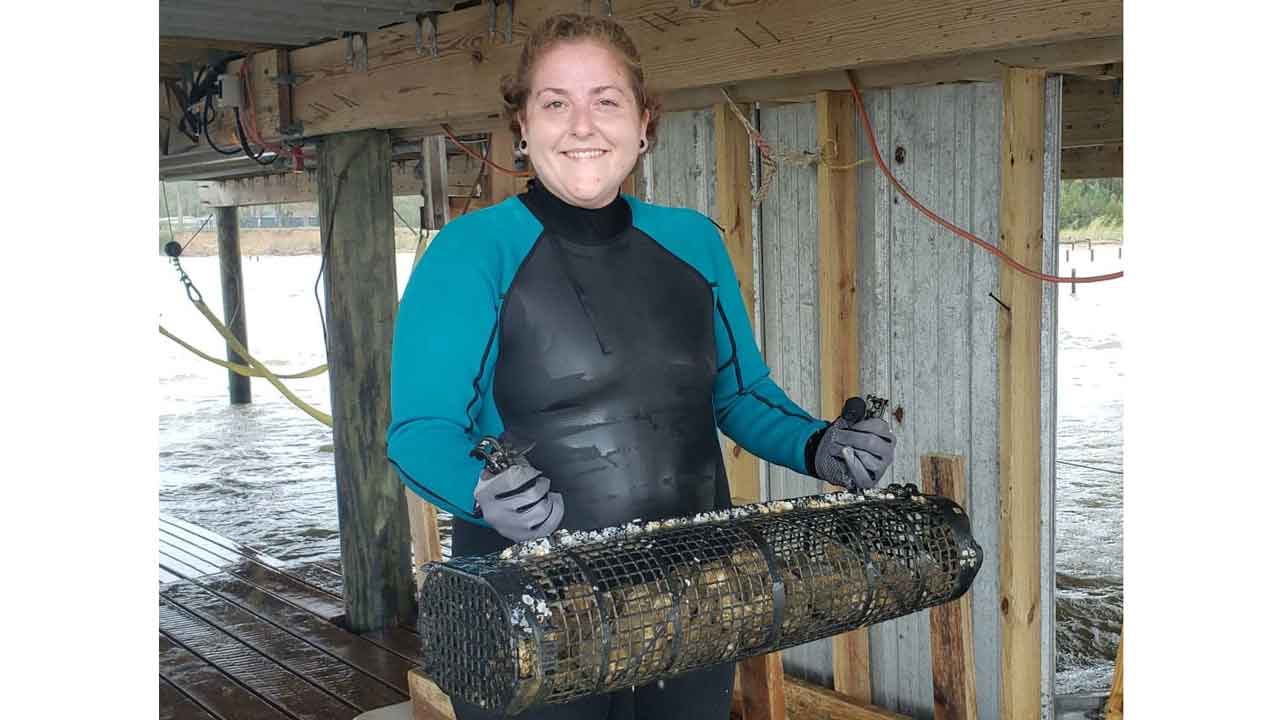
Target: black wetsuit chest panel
x=607 y=362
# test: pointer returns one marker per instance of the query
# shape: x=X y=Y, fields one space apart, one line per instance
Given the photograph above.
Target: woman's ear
x=644 y=124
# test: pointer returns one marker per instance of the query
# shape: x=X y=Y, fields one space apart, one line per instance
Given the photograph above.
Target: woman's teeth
x=584 y=154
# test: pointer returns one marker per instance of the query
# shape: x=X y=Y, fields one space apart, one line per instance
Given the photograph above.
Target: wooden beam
x=760 y=676
x=233 y=310
x=1092 y=112
x=283 y=188
x=955 y=694
x=360 y=308
x=810 y=702
x=733 y=203
x=837 y=268
x=707 y=46
x=1021 y=237
x=1066 y=56
x=1101 y=161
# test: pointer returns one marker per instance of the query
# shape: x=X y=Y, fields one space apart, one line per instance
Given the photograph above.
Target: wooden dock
x=243 y=637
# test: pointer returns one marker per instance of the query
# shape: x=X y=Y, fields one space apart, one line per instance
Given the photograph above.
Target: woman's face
x=582 y=123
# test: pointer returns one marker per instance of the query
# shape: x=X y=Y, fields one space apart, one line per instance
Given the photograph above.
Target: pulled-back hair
x=572 y=27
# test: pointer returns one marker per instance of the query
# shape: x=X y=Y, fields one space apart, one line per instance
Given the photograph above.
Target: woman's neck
x=579 y=224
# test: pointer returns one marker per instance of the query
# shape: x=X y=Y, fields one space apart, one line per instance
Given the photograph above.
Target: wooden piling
x=955 y=694
x=502 y=185
x=1018 y=348
x=233 y=310
x=357 y=238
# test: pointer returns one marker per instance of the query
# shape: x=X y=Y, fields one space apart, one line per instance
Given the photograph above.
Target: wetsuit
x=617 y=341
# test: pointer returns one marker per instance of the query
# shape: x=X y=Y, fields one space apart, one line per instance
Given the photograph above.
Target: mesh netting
x=584 y=613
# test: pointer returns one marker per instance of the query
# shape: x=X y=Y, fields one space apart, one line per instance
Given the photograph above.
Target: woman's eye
x=612 y=103
x=553 y=105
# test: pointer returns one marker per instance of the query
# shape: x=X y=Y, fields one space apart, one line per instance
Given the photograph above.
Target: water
x=263 y=474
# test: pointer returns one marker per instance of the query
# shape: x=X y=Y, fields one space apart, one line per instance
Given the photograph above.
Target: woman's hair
x=571 y=27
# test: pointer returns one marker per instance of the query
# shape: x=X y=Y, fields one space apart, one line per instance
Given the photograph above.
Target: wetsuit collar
x=577 y=224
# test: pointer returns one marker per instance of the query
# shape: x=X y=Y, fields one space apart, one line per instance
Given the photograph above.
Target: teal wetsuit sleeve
x=441 y=358
x=750 y=407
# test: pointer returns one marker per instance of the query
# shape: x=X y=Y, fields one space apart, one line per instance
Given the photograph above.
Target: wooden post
x=360 y=308
x=502 y=185
x=435 y=182
x=837 y=269
x=1021 y=213
x=233 y=310
x=955 y=694
x=760 y=676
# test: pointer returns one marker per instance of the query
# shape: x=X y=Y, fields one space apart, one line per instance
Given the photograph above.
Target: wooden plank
x=367 y=656
x=811 y=702
x=208 y=686
x=1021 y=215
x=1092 y=112
x=424 y=528
x=319 y=580
x=1114 y=709
x=761 y=675
x=249 y=668
x=733 y=204
x=360 y=299
x=429 y=701
x=291 y=187
x=951 y=625
x=501 y=184
x=301 y=657
x=234 y=312
x=176 y=705
x=1090 y=55
x=399 y=640
x=1101 y=161
x=837 y=268
x=711 y=45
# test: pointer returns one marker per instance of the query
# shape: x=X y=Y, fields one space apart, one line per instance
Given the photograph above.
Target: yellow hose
x=244 y=370
x=258 y=366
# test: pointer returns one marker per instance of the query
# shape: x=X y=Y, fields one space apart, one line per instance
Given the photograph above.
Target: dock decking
x=243 y=637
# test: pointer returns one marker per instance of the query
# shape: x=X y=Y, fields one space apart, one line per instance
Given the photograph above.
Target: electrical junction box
x=231 y=93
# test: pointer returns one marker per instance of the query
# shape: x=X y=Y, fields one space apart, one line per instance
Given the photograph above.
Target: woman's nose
x=580 y=122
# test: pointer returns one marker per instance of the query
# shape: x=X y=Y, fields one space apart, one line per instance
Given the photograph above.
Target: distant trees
x=1086 y=202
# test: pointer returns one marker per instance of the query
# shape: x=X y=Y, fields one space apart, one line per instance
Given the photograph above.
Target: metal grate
x=585 y=613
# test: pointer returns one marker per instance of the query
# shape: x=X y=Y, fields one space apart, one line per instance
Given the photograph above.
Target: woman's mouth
x=583 y=154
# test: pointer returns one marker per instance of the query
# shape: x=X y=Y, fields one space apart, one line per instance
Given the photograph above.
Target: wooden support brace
x=502 y=185
x=838 y=336
x=1018 y=347
x=760 y=676
x=955 y=695
x=810 y=702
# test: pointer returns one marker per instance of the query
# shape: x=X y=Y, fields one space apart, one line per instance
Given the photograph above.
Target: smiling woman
x=603 y=339
x=579 y=105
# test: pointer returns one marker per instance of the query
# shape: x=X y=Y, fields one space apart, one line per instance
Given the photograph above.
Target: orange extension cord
x=866 y=126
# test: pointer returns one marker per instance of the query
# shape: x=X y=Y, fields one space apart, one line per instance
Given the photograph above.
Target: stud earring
x=524 y=145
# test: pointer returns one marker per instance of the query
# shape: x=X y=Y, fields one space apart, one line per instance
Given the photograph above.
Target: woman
x=608 y=332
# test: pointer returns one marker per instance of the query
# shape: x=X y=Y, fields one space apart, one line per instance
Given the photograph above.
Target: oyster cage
x=582 y=613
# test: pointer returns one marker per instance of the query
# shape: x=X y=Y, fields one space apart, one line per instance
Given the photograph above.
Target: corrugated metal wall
x=927 y=323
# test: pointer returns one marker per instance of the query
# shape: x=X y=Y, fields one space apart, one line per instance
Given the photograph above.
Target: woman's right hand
x=517 y=503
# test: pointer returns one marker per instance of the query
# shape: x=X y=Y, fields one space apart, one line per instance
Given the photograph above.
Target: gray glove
x=854 y=455
x=516 y=504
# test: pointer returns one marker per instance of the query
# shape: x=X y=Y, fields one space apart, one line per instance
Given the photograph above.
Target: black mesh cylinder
x=584 y=613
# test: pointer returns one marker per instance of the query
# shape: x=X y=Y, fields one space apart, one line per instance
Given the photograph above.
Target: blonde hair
x=572 y=27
